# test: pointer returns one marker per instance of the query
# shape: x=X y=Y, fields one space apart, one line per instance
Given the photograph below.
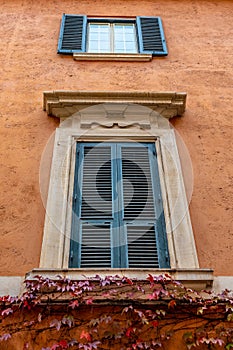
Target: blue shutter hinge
x=75 y=197
x=71 y=255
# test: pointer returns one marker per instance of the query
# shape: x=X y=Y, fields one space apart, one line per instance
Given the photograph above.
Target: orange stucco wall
x=199 y=62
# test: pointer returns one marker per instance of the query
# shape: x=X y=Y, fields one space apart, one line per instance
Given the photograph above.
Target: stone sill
x=137 y=57
x=192 y=278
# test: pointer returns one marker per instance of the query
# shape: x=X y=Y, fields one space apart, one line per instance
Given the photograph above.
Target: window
x=118 y=218
x=117 y=123
x=143 y=35
x=112 y=37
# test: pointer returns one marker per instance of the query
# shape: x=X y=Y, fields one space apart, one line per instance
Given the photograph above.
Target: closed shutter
x=117 y=221
x=143 y=217
x=151 y=36
x=91 y=240
x=72 y=34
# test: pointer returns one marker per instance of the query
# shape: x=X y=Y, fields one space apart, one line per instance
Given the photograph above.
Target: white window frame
x=112 y=40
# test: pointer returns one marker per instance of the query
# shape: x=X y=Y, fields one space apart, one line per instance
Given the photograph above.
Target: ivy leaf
x=129 y=281
x=27 y=305
x=129 y=331
x=156 y=343
x=63 y=344
x=73 y=304
x=69 y=320
x=55 y=323
x=200 y=310
x=5 y=337
x=150 y=278
x=7 y=311
x=230 y=317
x=89 y=301
x=72 y=342
x=155 y=323
x=127 y=309
x=160 y=312
x=229 y=346
x=85 y=335
x=155 y=295
x=55 y=346
x=172 y=304
x=95 y=344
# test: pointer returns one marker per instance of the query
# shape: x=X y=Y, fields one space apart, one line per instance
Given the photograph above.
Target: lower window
x=118 y=219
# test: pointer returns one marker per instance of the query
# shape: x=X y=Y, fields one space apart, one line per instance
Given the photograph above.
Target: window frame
x=153 y=126
x=112 y=40
x=82 y=53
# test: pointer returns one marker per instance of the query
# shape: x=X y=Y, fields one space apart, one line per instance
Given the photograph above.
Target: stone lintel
x=63 y=104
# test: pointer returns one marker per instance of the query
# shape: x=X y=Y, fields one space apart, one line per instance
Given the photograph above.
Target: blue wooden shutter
x=72 y=36
x=151 y=37
x=143 y=217
x=92 y=220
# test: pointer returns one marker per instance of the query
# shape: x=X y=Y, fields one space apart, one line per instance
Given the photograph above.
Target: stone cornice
x=63 y=104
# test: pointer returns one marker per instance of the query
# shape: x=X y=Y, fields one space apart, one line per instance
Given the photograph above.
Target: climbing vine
x=115 y=313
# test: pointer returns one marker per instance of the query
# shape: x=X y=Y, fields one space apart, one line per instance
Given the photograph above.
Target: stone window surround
x=64 y=104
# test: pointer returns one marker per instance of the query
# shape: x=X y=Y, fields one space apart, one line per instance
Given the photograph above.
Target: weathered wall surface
x=199 y=38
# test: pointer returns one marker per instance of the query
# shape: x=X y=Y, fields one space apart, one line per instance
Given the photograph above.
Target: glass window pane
x=124 y=38
x=98 y=37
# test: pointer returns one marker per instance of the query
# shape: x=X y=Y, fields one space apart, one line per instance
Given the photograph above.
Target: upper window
x=118 y=219
x=80 y=34
x=112 y=37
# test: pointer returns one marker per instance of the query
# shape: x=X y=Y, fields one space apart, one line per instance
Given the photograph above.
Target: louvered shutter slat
x=151 y=36
x=96 y=246
x=72 y=34
x=142 y=247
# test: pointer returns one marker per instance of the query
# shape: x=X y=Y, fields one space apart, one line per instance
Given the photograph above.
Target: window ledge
x=86 y=56
x=192 y=278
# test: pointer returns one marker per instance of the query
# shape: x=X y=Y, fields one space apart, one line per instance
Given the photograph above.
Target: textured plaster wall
x=199 y=37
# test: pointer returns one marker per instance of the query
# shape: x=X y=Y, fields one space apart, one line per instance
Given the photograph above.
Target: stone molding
x=192 y=278
x=63 y=104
